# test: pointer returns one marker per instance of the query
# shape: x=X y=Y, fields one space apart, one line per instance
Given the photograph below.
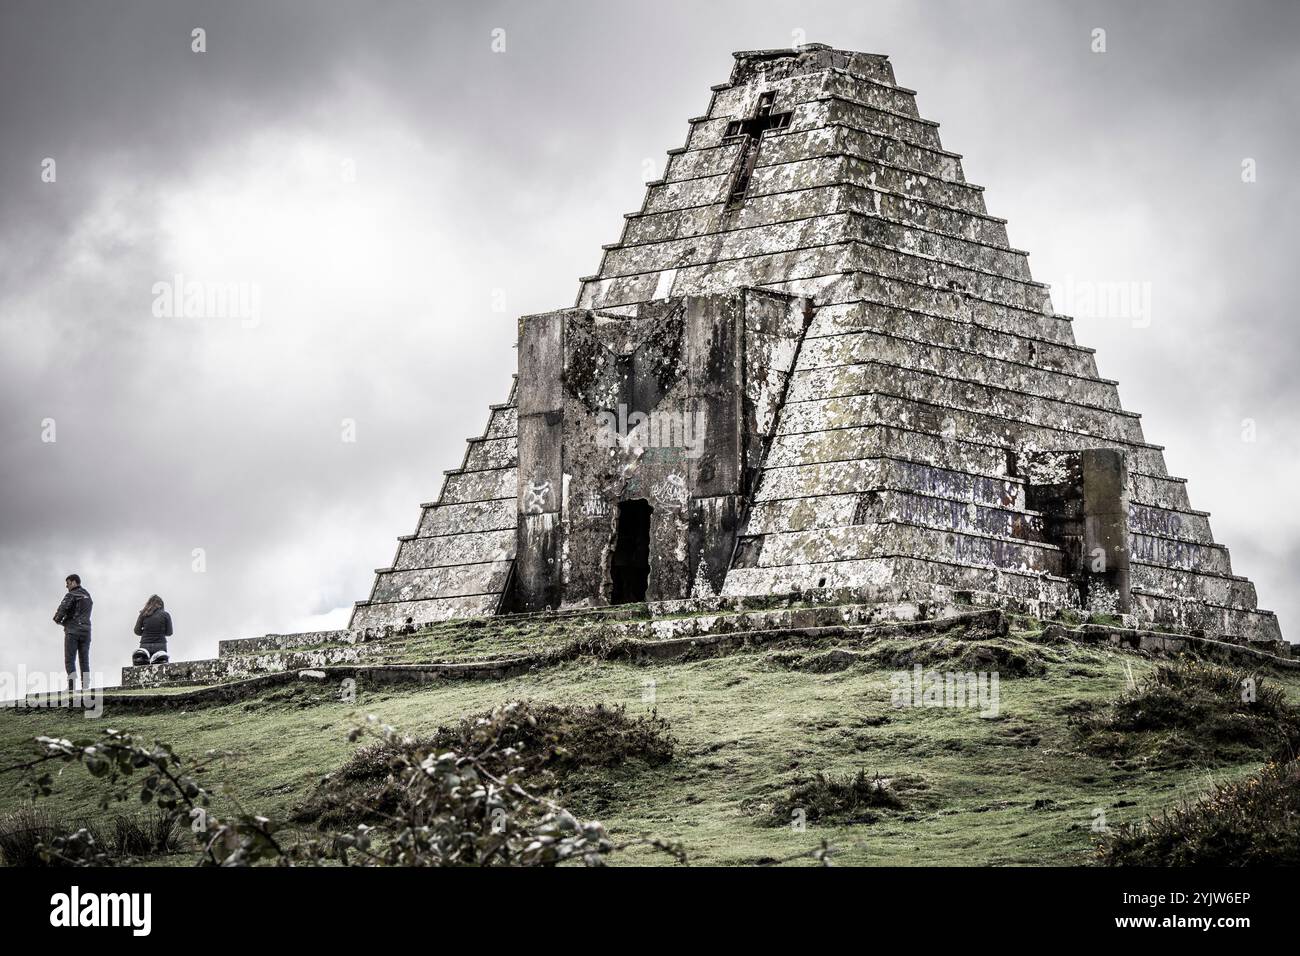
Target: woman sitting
x=153 y=627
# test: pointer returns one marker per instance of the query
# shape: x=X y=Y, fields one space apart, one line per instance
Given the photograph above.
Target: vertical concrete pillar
x=540 y=402
x=1105 y=555
x=714 y=368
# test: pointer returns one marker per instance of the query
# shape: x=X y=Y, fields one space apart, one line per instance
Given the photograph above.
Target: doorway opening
x=630 y=563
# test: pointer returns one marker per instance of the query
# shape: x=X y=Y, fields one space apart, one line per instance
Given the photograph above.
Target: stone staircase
x=516 y=636
x=503 y=645
x=456 y=640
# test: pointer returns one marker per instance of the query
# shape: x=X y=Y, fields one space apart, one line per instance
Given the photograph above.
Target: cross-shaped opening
x=752 y=129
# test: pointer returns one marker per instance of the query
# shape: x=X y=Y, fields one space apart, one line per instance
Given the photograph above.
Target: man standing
x=74 y=615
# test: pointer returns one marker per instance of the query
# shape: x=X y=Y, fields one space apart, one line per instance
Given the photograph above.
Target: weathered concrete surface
x=220 y=669
x=672 y=407
x=934 y=364
x=280 y=642
x=1084 y=499
x=1164 y=644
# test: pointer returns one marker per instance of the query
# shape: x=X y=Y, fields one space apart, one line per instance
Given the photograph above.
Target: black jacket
x=154 y=630
x=74 y=611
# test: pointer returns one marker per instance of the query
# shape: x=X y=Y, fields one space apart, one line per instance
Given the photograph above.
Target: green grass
x=1015 y=789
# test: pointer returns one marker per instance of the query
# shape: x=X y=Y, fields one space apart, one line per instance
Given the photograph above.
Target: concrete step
x=866 y=225
x=842 y=140
x=502 y=422
x=887 y=425
x=831 y=511
x=844 y=169
x=484 y=454
x=1078 y=413
x=956 y=362
x=276 y=653
x=461 y=487
x=852 y=285
x=810 y=202
x=267 y=643
x=920 y=577
x=688 y=646
x=465 y=580
x=854 y=318
x=733 y=103
x=1191 y=585
x=782 y=271
x=829 y=111
x=882 y=438
x=423 y=609
x=1249 y=626
x=1163 y=643
x=651 y=640
x=1207 y=558
x=219 y=669
x=896 y=537
x=896 y=474
x=469 y=517
x=415 y=553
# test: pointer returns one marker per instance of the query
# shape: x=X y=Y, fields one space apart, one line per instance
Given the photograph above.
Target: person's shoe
x=159 y=657
x=139 y=657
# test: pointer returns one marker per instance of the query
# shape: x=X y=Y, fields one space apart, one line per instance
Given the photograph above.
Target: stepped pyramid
x=812 y=364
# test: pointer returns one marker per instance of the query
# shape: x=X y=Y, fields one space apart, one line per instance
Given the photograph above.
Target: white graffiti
x=672 y=490
x=594 y=505
x=536 y=496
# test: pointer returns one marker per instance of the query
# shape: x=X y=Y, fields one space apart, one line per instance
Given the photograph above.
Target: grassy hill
x=754 y=724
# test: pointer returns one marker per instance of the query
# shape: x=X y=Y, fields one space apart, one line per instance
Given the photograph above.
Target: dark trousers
x=75 y=645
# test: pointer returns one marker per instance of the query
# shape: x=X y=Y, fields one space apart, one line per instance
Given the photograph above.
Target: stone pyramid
x=890 y=408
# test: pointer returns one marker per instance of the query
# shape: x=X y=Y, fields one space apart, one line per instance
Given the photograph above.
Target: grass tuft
x=852 y=798
x=1191 y=712
x=123 y=837
x=1254 y=822
x=548 y=743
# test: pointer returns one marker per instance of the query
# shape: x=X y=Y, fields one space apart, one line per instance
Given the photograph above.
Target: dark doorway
x=630 y=565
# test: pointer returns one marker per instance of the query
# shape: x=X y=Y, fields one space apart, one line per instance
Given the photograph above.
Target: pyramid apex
x=809 y=58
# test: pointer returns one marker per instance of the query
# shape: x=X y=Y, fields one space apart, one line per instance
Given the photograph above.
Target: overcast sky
x=382 y=178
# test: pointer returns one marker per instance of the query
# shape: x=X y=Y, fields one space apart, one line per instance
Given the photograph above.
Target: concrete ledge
x=1172 y=644
x=629 y=650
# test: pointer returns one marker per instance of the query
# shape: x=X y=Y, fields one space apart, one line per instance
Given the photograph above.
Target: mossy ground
x=1012 y=789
